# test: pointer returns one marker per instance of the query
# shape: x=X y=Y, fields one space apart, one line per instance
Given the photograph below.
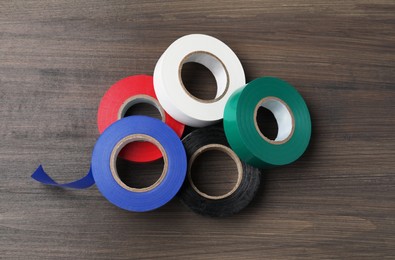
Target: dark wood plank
x=57 y=58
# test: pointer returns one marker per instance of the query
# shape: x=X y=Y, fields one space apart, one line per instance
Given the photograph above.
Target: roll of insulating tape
x=290 y=112
x=119 y=98
x=171 y=92
x=247 y=184
x=136 y=129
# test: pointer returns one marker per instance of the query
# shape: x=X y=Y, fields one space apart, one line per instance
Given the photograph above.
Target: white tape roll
x=171 y=92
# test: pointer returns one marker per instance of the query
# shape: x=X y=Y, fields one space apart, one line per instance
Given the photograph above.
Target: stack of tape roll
x=144 y=139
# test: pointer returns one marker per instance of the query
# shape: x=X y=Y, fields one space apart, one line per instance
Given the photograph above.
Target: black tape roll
x=217 y=206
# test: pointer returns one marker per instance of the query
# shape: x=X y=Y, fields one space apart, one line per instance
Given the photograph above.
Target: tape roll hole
x=274 y=120
x=142 y=105
x=215 y=171
x=195 y=73
x=138 y=177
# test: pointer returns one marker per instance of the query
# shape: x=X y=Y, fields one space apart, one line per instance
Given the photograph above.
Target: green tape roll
x=290 y=111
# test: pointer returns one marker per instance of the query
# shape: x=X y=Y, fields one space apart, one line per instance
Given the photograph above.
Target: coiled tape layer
x=119 y=98
x=107 y=148
x=217 y=206
x=171 y=92
x=290 y=111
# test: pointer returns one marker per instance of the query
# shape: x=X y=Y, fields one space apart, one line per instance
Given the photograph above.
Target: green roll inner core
x=284 y=118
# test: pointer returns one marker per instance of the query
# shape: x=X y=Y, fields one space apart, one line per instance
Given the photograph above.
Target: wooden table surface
x=57 y=59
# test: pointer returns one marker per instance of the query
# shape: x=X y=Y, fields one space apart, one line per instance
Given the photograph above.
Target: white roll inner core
x=216 y=67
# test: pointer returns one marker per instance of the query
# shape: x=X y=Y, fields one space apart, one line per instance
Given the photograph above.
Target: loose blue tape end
x=85 y=182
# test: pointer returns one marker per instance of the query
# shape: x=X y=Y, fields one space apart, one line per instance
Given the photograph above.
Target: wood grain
x=57 y=58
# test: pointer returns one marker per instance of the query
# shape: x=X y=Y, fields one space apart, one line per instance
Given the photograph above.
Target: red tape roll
x=118 y=99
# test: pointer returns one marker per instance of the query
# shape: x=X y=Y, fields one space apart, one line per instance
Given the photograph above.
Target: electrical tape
x=238 y=198
x=290 y=111
x=171 y=92
x=107 y=148
x=85 y=182
x=118 y=99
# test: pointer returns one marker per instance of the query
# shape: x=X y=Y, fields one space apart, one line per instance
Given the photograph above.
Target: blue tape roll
x=138 y=128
